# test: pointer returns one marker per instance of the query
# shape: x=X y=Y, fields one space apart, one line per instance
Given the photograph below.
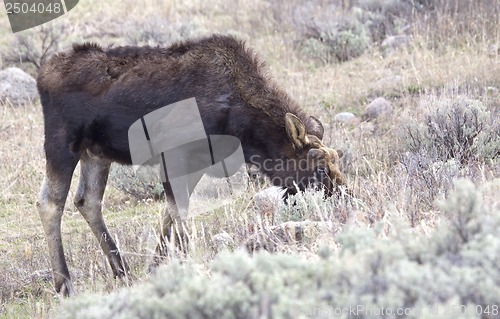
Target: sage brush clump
x=312 y=205
x=36 y=45
x=454 y=136
x=389 y=266
x=346 y=38
x=339 y=39
x=339 y=34
x=456 y=128
x=156 y=30
x=142 y=182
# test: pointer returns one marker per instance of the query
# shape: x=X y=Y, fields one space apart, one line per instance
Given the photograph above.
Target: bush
x=389 y=268
x=317 y=49
x=36 y=45
x=311 y=205
x=159 y=31
x=347 y=38
x=348 y=32
x=456 y=128
x=454 y=138
x=338 y=38
x=141 y=183
x=384 y=18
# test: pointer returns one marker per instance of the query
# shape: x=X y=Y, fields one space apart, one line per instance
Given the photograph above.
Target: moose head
x=304 y=161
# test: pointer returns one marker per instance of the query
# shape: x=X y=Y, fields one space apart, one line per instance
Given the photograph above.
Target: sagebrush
x=388 y=266
x=456 y=128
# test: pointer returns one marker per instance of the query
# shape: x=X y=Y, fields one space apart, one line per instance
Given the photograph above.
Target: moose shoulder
x=91 y=96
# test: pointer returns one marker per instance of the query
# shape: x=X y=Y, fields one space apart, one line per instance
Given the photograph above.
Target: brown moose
x=91 y=96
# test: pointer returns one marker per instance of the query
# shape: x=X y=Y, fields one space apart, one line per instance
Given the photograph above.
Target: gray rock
x=346 y=117
x=377 y=108
x=222 y=241
x=17 y=87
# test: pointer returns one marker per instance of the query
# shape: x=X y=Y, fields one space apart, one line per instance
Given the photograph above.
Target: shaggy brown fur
x=91 y=96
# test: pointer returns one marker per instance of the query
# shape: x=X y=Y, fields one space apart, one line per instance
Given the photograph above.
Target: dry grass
x=465 y=65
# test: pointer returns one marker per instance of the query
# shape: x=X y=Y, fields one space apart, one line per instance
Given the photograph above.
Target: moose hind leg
x=93 y=178
x=172 y=230
x=50 y=206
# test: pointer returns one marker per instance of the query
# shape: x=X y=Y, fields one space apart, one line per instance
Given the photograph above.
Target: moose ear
x=296 y=131
x=315 y=127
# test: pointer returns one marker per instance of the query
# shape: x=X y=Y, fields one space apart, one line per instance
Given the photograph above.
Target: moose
x=91 y=95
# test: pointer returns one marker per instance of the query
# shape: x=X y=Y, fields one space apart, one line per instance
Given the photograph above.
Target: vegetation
x=387 y=268
x=419 y=232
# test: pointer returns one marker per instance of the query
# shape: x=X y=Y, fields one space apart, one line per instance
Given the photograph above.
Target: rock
x=17 y=87
x=346 y=117
x=393 y=42
x=378 y=107
x=222 y=241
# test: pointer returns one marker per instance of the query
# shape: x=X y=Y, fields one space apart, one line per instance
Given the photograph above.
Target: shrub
x=456 y=128
x=312 y=205
x=384 y=18
x=141 y=183
x=157 y=30
x=349 y=31
x=35 y=45
x=388 y=267
x=339 y=38
x=347 y=38
x=450 y=141
x=317 y=49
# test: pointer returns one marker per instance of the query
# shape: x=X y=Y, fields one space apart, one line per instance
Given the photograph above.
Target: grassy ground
x=461 y=65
